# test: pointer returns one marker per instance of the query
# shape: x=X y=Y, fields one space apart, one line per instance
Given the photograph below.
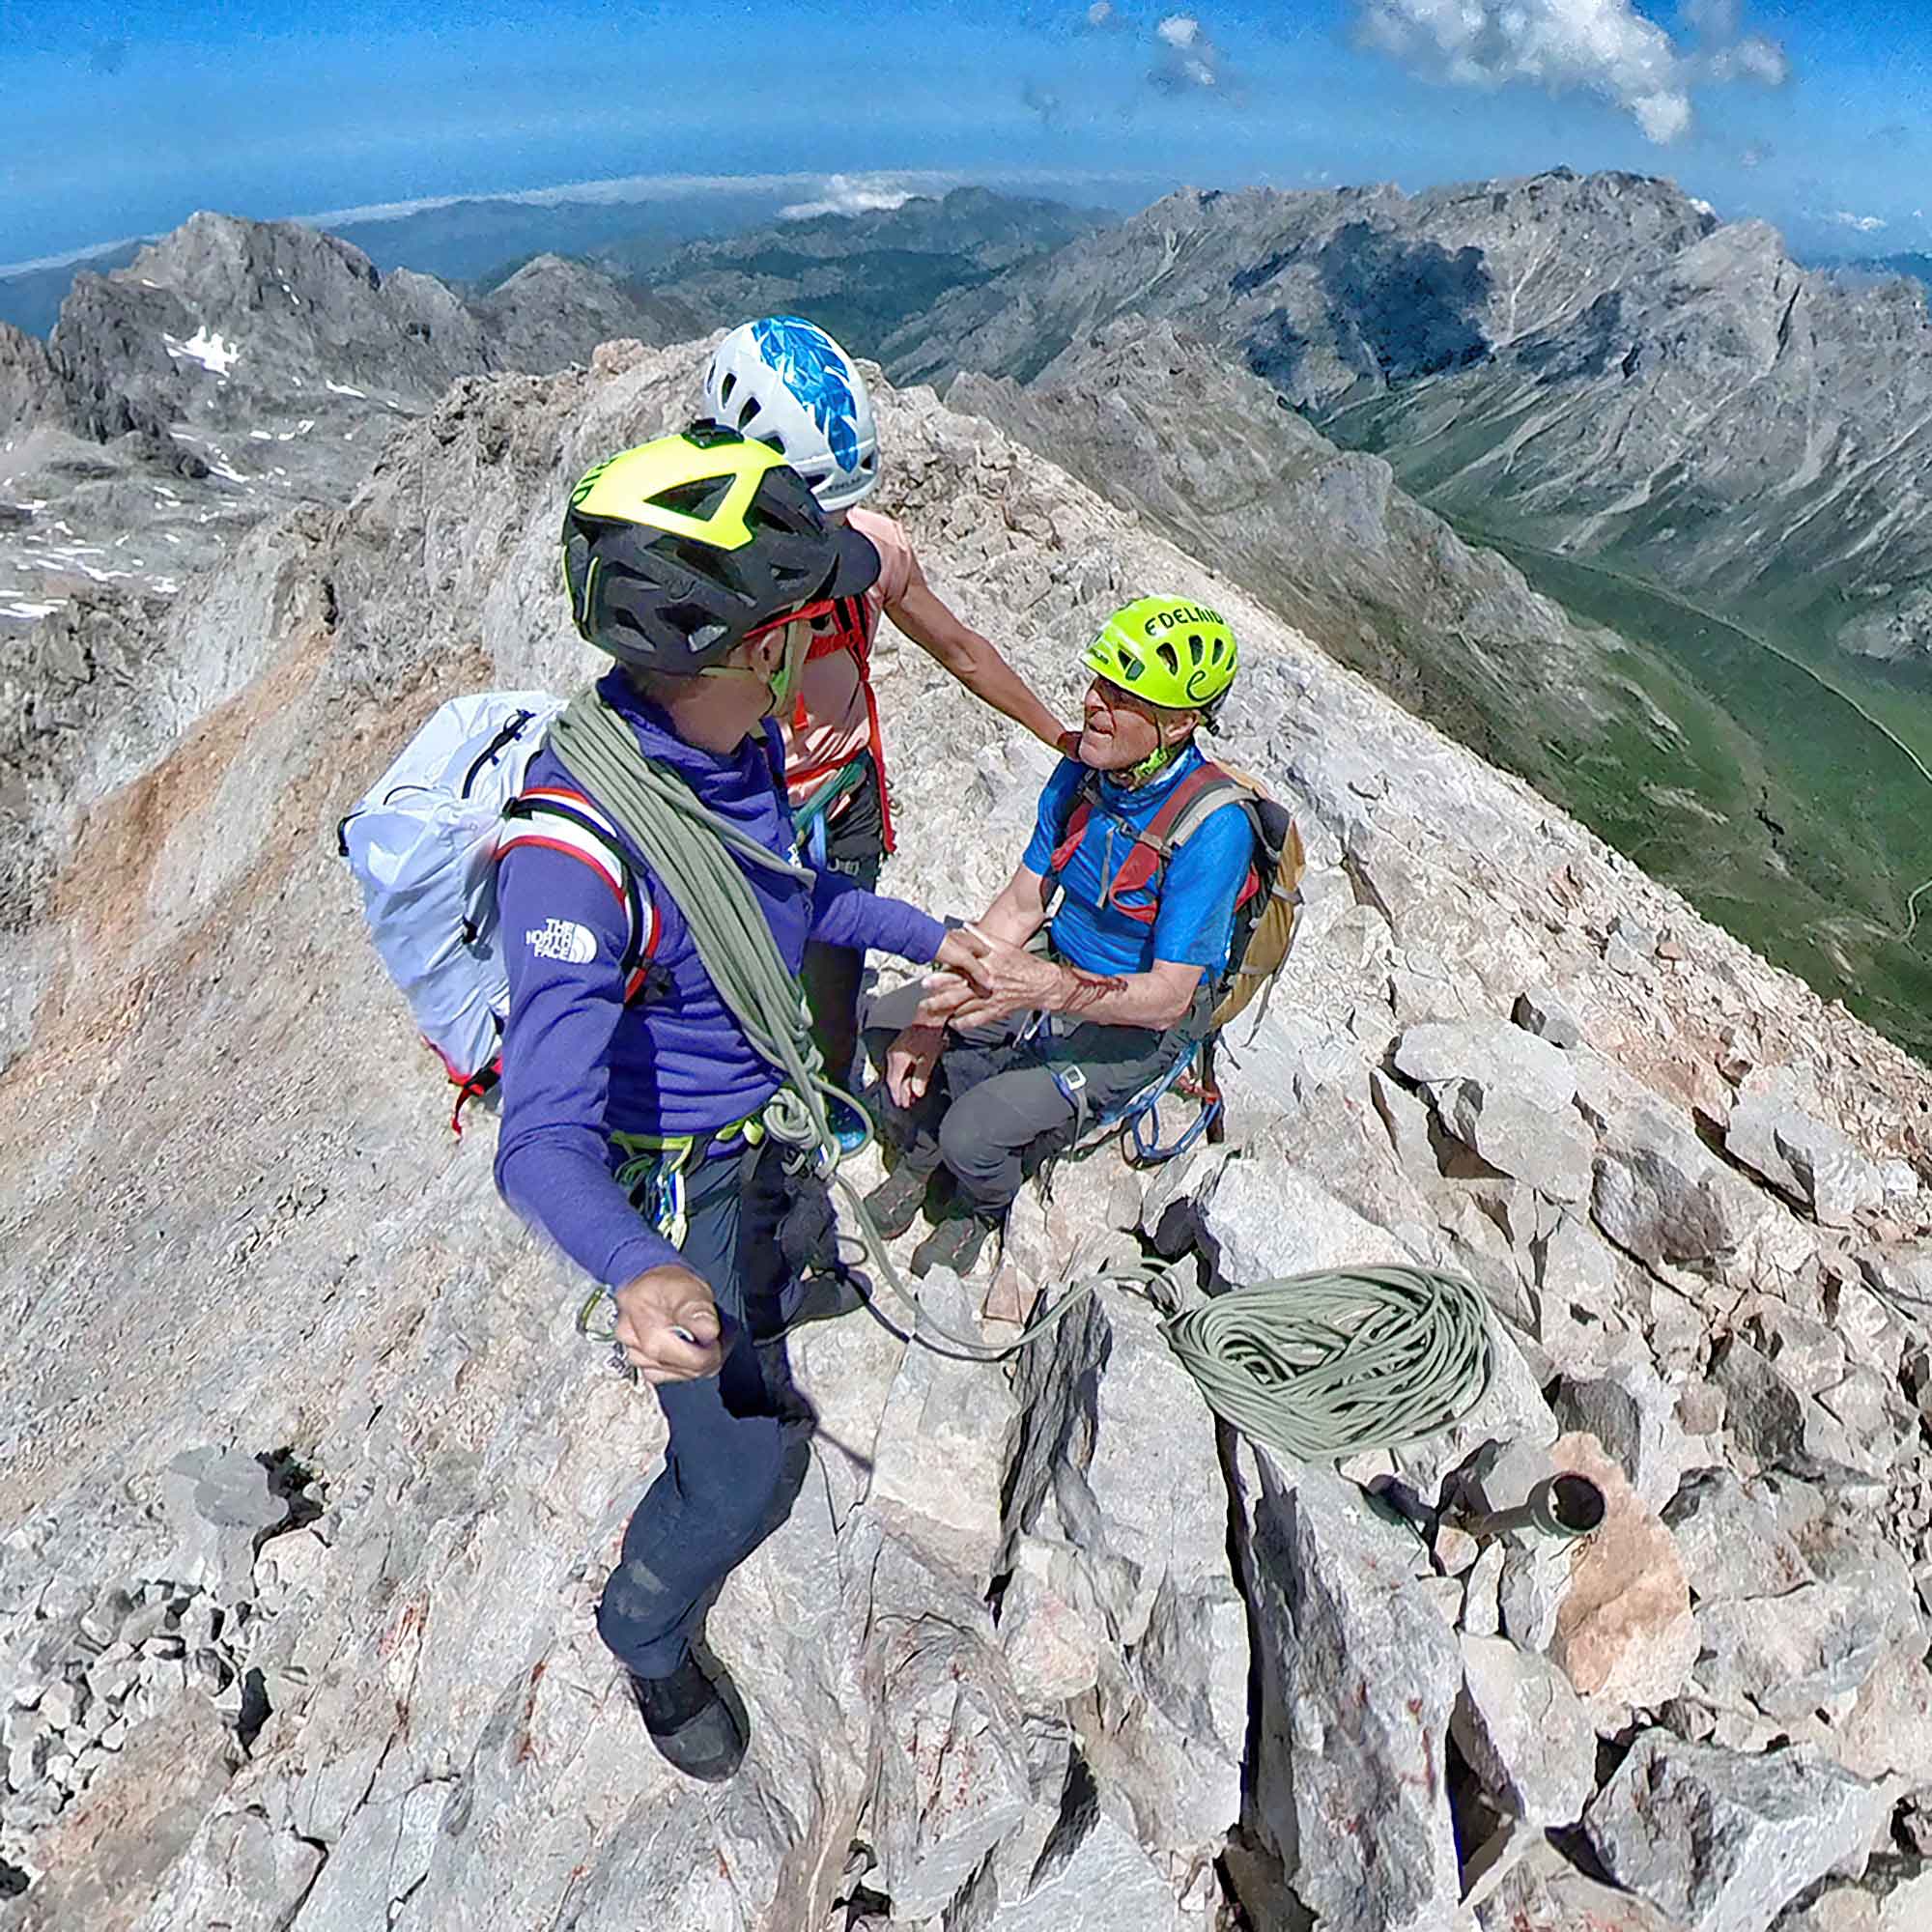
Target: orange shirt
x=830 y=725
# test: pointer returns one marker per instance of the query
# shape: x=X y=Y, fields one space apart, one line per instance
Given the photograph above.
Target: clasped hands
x=980 y=981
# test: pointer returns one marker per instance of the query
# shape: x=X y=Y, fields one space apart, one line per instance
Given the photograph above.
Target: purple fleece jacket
x=579 y=1065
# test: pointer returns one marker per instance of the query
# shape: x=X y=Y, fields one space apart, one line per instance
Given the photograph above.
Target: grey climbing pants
x=722 y=1488
x=996 y=1100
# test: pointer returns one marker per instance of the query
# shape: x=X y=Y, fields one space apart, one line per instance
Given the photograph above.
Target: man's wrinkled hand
x=910 y=1061
x=653 y=1308
x=1005 y=980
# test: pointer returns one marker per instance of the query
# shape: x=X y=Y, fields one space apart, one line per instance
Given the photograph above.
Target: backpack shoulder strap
x=559 y=819
x=1073 y=826
x=1196 y=800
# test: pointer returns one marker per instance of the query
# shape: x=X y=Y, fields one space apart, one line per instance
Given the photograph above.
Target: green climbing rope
x=1314 y=1366
x=689 y=850
x=1330 y=1364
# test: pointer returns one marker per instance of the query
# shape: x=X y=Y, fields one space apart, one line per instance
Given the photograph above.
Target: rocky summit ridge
x=310 y=1486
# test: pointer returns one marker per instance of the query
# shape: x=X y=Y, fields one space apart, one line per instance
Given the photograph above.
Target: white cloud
x=1603 y=46
x=1100 y=13
x=1189 y=58
x=1865 y=225
x=1753 y=58
x=848 y=194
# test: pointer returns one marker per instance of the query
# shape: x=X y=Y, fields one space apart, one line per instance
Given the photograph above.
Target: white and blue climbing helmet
x=784 y=381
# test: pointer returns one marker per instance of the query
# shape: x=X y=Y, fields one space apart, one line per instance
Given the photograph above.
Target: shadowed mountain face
x=30 y=299
x=1326 y=294
x=1593 y=367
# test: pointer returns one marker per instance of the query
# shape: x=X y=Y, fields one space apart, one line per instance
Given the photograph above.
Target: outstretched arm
x=974 y=661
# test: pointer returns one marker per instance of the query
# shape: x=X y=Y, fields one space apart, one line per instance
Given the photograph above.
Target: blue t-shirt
x=1195 y=923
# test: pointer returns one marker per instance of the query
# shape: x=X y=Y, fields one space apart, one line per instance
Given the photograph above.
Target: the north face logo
x=562 y=939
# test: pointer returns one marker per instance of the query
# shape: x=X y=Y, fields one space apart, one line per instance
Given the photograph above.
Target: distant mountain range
x=476 y=243
x=1913 y=266
x=235 y=367
x=862 y=277
x=1590 y=366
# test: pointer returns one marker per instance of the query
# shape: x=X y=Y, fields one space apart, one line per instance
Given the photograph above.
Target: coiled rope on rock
x=1314 y=1365
x=1332 y=1363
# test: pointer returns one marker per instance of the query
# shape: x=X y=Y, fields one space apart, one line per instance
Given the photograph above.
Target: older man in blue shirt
x=1150 y=853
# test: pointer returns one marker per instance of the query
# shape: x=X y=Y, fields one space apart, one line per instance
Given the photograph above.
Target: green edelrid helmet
x=1176 y=654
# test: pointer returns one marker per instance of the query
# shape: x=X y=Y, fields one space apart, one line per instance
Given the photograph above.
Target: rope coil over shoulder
x=1316 y=1365
x=690 y=853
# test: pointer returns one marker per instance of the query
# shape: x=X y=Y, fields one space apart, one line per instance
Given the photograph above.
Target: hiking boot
x=954 y=1244
x=894 y=1204
x=695 y=1729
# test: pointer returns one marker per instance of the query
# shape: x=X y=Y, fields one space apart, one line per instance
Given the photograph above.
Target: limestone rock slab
x=1723 y=1841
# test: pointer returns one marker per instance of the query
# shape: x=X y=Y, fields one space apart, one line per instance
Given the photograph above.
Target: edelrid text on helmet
x=784 y=381
x=1178 y=655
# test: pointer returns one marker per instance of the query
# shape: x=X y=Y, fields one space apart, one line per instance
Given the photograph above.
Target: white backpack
x=423 y=844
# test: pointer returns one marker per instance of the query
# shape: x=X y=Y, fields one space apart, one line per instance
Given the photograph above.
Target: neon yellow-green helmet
x=675 y=550
x=1175 y=653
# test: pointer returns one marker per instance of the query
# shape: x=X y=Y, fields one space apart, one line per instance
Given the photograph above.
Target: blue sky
x=124 y=119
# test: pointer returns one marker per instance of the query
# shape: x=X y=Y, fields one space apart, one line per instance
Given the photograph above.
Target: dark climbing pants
x=997 y=1101
x=855 y=844
x=720 y=1493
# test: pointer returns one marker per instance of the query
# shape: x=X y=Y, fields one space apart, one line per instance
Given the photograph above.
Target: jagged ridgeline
x=311 y=1486
x=1714 y=461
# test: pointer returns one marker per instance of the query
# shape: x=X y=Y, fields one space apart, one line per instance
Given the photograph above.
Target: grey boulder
x=1724 y=1842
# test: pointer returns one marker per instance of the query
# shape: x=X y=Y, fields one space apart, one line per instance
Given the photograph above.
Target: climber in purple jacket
x=630 y=1130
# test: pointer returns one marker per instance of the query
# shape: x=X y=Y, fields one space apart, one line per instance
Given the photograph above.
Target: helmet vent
x=1168 y=656
x=1194 y=645
x=700 y=559
x=689 y=618
x=726 y=387
x=701 y=498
